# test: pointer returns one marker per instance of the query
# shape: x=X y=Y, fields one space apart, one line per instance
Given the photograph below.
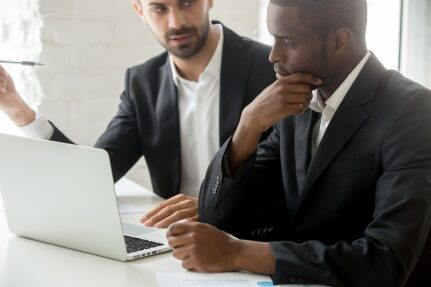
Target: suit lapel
x=233 y=82
x=168 y=117
x=347 y=120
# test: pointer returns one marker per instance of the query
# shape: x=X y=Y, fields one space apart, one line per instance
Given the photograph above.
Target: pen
x=25 y=63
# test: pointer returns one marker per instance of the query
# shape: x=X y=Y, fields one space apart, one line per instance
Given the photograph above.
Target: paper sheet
x=231 y=279
x=191 y=279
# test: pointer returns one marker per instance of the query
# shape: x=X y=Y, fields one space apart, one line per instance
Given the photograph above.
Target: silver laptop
x=64 y=195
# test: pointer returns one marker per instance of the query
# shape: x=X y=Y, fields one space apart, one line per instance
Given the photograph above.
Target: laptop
x=64 y=195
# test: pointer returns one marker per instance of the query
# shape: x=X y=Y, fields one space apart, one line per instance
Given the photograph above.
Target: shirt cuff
x=40 y=128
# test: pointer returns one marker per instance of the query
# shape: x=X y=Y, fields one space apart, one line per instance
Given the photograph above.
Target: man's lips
x=280 y=72
x=181 y=39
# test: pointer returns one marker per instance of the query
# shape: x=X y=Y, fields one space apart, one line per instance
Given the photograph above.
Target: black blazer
x=147 y=121
x=360 y=214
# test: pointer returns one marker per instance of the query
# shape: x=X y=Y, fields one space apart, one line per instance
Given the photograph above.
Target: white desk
x=28 y=263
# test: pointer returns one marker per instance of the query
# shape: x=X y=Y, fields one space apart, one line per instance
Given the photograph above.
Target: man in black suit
x=342 y=186
x=177 y=108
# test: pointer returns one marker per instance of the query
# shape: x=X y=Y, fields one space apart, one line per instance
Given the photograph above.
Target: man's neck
x=191 y=68
x=343 y=72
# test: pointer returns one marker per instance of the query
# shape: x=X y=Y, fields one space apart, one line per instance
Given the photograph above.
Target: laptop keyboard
x=134 y=244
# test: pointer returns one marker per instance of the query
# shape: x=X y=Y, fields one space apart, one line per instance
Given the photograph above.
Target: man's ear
x=210 y=3
x=137 y=6
x=341 y=40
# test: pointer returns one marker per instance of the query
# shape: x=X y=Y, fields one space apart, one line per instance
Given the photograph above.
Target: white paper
x=231 y=279
x=191 y=279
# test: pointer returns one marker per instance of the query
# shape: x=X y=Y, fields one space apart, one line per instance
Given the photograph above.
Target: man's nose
x=275 y=56
x=176 y=19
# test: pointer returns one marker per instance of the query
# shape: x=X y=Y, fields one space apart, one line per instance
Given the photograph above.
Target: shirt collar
x=214 y=65
x=318 y=104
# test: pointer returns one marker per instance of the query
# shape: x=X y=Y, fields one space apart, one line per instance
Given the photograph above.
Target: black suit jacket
x=147 y=121
x=360 y=214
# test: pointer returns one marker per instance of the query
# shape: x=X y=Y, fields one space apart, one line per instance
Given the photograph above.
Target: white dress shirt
x=329 y=107
x=199 y=121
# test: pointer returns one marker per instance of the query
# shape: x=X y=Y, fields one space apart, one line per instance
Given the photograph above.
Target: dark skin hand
x=202 y=247
x=289 y=95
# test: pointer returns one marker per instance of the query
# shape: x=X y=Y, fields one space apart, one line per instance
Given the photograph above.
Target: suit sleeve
x=120 y=139
x=246 y=204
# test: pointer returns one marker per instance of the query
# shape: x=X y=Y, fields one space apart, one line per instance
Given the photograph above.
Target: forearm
x=244 y=143
x=21 y=114
x=254 y=256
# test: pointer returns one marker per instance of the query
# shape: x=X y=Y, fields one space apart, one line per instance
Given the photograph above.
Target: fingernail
x=319 y=81
x=149 y=223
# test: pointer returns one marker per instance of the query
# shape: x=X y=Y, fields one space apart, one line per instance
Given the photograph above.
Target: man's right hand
x=176 y=208
x=11 y=102
x=287 y=96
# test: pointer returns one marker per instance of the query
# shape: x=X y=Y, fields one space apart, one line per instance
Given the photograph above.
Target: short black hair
x=325 y=16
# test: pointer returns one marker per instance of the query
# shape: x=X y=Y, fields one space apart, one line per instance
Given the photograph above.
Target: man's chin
x=182 y=52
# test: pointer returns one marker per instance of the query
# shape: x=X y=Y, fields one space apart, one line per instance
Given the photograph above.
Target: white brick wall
x=87 y=47
x=20 y=24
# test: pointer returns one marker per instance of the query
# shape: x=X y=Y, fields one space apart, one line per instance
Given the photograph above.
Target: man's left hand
x=202 y=247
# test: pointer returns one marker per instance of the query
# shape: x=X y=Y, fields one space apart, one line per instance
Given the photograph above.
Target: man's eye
x=158 y=9
x=287 y=42
x=187 y=3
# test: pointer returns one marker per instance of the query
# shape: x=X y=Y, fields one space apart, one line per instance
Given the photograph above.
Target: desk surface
x=29 y=263
x=25 y=262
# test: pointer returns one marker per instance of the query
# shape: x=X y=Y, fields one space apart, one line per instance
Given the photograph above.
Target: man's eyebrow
x=155 y=3
x=283 y=36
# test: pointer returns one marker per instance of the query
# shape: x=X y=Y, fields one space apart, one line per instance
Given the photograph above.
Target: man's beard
x=187 y=50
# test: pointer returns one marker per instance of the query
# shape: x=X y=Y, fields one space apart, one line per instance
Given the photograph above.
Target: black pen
x=25 y=63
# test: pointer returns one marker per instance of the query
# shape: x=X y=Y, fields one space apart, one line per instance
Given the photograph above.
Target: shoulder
x=255 y=46
x=404 y=89
x=235 y=41
x=143 y=81
x=149 y=68
x=397 y=81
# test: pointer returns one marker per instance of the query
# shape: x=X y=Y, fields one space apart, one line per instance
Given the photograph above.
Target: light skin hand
x=172 y=210
x=290 y=95
x=202 y=247
x=12 y=103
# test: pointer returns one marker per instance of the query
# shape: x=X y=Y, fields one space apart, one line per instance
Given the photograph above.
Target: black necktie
x=315 y=116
